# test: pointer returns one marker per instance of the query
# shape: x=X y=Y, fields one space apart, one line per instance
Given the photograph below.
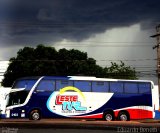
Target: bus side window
x=60 y=84
x=100 y=86
x=27 y=84
x=116 y=87
x=84 y=86
x=46 y=85
x=144 y=88
x=130 y=87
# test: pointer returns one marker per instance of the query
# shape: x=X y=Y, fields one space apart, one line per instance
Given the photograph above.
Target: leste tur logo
x=70 y=102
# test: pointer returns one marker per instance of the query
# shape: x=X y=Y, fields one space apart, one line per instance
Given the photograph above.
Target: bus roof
x=87 y=78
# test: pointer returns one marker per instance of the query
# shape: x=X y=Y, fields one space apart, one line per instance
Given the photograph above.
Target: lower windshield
x=16 y=98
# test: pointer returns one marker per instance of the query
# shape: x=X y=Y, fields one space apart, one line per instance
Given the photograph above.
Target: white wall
x=3 y=98
x=3 y=68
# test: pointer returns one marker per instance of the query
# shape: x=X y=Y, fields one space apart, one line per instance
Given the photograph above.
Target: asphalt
x=77 y=124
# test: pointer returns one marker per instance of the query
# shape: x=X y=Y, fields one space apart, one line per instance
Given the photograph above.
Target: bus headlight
x=23 y=114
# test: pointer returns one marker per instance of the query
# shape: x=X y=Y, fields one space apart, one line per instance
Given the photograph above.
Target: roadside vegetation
x=43 y=60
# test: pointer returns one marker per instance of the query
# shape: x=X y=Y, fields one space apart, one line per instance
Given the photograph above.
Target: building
x=3 y=68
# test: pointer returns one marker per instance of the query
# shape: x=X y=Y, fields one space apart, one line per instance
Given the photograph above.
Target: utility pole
x=157 y=35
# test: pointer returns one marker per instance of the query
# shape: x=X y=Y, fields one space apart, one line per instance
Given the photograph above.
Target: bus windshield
x=24 y=83
x=16 y=98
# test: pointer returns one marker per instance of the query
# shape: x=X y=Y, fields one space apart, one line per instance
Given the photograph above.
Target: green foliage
x=42 y=60
x=120 y=71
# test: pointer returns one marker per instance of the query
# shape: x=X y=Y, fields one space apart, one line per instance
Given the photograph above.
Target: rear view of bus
x=155 y=101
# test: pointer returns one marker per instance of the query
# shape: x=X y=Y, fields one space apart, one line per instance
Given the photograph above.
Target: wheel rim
x=35 y=116
x=108 y=117
x=123 y=117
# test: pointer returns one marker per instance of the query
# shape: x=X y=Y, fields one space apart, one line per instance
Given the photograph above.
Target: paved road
x=60 y=131
x=57 y=130
x=77 y=126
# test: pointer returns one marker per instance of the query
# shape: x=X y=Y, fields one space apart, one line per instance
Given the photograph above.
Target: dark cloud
x=46 y=21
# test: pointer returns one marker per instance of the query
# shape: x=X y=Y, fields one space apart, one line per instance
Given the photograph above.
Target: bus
x=81 y=97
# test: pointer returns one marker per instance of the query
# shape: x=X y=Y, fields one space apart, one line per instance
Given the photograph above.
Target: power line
x=127 y=60
x=102 y=60
x=101 y=45
x=19 y=22
x=24 y=22
x=106 y=42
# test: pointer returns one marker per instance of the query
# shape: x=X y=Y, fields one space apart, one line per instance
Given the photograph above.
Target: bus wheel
x=108 y=116
x=123 y=116
x=35 y=115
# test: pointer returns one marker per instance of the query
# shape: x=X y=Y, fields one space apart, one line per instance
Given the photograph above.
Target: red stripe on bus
x=137 y=113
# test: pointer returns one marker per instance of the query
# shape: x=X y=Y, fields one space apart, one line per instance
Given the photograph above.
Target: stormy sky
x=108 y=30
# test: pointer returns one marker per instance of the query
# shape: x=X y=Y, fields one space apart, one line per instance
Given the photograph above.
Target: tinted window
x=63 y=83
x=130 y=87
x=84 y=86
x=18 y=97
x=144 y=87
x=100 y=86
x=116 y=87
x=27 y=84
x=46 y=85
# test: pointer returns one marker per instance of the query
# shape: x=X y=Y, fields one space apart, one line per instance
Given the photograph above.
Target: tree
x=42 y=60
x=120 y=71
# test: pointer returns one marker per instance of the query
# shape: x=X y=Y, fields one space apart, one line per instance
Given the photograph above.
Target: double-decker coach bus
x=81 y=97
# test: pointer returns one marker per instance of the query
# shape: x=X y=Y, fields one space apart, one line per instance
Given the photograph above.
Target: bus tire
x=35 y=115
x=108 y=116
x=123 y=116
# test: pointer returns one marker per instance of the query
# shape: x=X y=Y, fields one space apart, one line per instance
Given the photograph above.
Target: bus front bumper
x=2 y=115
x=15 y=113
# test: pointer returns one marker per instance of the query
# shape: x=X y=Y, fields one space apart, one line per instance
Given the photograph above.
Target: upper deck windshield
x=19 y=96
x=24 y=83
